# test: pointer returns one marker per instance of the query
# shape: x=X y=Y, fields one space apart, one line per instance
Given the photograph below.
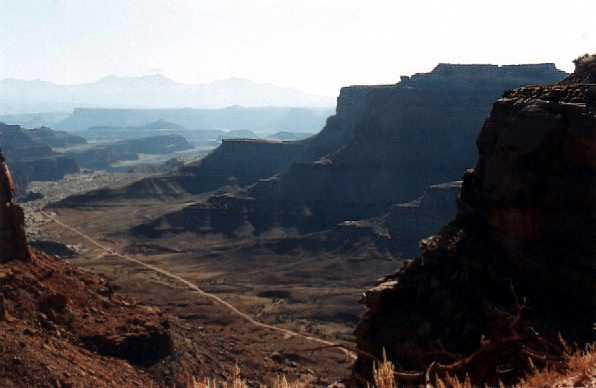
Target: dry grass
x=237 y=382
x=579 y=370
x=384 y=373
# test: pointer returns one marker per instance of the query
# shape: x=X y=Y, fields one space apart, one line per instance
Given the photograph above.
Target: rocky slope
x=63 y=327
x=496 y=287
x=384 y=146
x=31 y=159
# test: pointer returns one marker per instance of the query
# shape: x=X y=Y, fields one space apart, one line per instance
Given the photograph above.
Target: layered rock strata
x=516 y=268
x=384 y=146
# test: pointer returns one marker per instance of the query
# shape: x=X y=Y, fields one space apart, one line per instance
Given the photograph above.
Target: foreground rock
x=496 y=287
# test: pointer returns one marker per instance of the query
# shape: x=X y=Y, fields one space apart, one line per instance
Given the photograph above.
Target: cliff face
x=31 y=159
x=384 y=146
x=516 y=268
x=406 y=137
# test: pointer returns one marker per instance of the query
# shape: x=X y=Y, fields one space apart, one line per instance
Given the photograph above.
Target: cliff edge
x=490 y=294
x=384 y=146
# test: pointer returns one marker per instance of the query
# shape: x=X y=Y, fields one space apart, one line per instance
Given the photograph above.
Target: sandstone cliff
x=384 y=146
x=409 y=136
x=516 y=268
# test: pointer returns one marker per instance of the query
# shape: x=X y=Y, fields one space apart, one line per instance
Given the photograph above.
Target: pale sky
x=315 y=45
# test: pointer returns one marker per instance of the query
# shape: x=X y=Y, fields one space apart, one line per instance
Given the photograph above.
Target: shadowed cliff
x=384 y=146
x=491 y=293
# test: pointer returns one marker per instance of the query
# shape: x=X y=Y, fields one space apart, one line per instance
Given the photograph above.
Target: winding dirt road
x=286 y=332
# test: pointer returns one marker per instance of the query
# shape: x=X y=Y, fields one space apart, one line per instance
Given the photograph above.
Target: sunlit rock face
x=524 y=235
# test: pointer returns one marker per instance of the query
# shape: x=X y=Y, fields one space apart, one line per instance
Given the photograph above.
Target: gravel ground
x=54 y=191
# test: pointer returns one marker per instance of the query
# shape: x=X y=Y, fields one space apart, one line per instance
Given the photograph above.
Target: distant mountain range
x=152 y=91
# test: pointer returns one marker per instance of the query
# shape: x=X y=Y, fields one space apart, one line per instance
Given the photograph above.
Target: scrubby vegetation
x=578 y=369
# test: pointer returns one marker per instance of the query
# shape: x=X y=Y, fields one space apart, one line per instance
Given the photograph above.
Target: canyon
x=322 y=218
x=491 y=294
x=384 y=146
x=64 y=326
x=289 y=233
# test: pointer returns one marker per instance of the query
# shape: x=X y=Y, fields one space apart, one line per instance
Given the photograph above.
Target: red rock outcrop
x=12 y=219
x=516 y=268
x=60 y=326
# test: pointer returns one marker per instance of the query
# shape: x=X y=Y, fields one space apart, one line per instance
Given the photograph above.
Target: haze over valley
x=151 y=91
x=417 y=209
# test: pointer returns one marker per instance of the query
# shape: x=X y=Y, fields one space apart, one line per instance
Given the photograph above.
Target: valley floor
x=311 y=293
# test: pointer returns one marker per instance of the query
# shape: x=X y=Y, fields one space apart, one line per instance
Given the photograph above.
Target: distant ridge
x=149 y=91
x=231 y=118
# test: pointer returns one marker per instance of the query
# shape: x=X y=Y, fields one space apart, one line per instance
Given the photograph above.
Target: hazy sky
x=316 y=45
